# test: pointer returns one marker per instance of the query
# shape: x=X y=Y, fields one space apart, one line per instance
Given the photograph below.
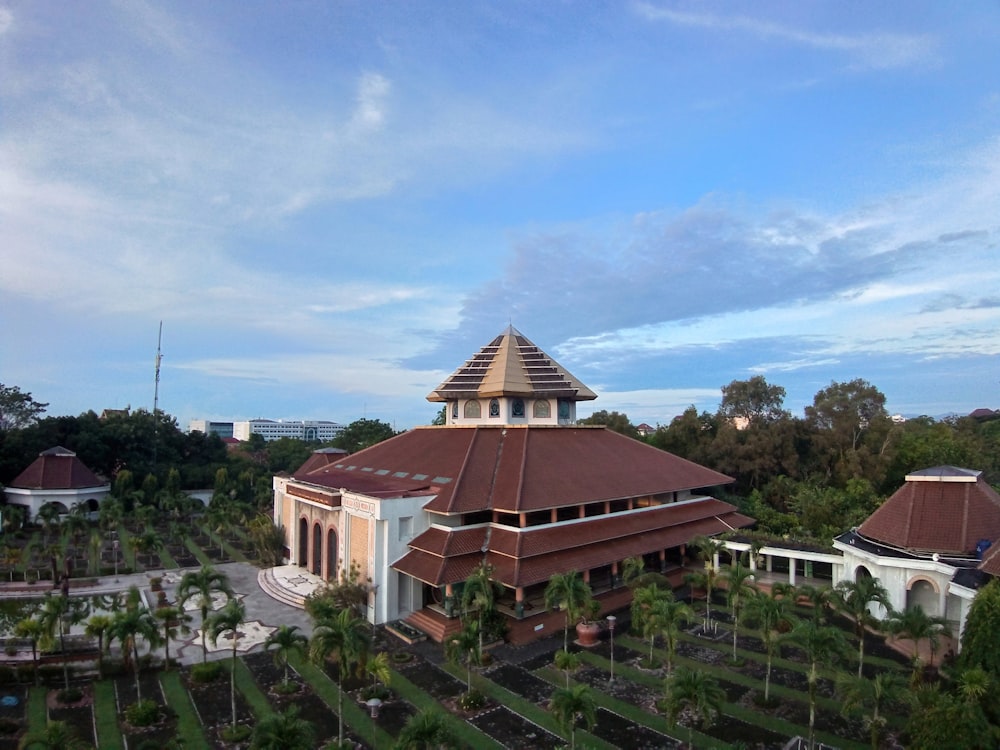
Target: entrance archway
x=303 y=542
x=331 y=555
x=923 y=594
x=317 y=551
x=861 y=572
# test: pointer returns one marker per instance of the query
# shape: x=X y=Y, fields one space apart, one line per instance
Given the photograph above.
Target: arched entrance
x=303 y=542
x=317 y=551
x=861 y=572
x=331 y=554
x=922 y=593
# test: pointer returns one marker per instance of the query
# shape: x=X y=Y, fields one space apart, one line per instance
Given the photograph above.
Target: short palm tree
x=32 y=629
x=98 y=627
x=821 y=645
x=645 y=617
x=694 y=692
x=285 y=641
x=915 y=625
x=855 y=600
x=570 y=593
x=571 y=705
x=57 y=735
x=820 y=598
x=427 y=730
x=228 y=621
x=346 y=637
x=671 y=614
x=708 y=580
x=379 y=670
x=463 y=646
x=128 y=626
x=871 y=698
x=283 y=731
x=739 y=581
x=480 y=593
x=174 y=621
x=203 y=583
x=566 y=663
x=770 y=614
x=56 y=616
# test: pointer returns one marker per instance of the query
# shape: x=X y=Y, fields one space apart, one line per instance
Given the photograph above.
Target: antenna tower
x=156 y=395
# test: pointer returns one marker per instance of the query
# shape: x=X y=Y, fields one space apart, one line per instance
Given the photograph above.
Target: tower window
x=541 y=409
x=517 y=408
x=473 y=410
x=494 y=407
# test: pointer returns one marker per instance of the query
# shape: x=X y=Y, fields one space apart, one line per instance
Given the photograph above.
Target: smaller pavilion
x=58 y=477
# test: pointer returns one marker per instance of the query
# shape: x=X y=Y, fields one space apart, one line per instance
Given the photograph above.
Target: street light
x=611 y=627
x=114 y=546
x=373 y=706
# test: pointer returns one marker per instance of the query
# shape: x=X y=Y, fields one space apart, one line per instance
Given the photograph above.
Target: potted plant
x=588 y=629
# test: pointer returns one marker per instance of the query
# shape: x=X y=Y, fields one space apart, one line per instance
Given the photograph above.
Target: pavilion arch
x=925 y=593
x=317 y=550
x=60 y=507
x=331 y=554
x=303 y=539
x=861 y=572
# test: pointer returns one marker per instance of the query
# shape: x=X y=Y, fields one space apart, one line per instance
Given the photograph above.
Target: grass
x=246 y=684
x=189 y=727
x=109 y=734
x=38 y=712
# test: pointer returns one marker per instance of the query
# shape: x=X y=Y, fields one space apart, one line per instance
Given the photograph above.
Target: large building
x=511 y=481
x=57 y=477
x=270 y=429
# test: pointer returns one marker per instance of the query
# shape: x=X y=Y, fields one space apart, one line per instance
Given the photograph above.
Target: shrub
x=472 y=700
x=206 y=672
x=142 y=714
x=236 y=734
x=69 y=695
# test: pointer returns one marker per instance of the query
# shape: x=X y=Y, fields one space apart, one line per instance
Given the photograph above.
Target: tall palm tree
x=915 y=625
x=203 y=583
x=571 y=705
x=821 y=645
x=285 y=641
x=463 y=646
x=347 y=638
x=48 y=517
x=696 y=692
x=820 y=598
x=570 y=593
x=645 y=615
x=770 y=614
x=739 y=581
x=871 y=698
x=707 y=579
x=32 y=629
x=130 y=625
x=427 y=730
x=283 y=731
x=98 y=627
x=228 y=620
x=671 y=614
x=855 y=600
x=174 y=621
x=480 y=593
x=56 y=616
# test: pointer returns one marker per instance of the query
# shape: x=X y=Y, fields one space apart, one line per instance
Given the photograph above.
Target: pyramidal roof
x=511 y=365
x=57 y=469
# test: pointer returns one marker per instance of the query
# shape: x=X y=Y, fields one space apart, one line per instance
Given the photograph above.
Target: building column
x=792 y=562
x=769 y=563
x=449 y=600
x=753 y=561
x=663 y=560
x=519 y=601
x=614 y=574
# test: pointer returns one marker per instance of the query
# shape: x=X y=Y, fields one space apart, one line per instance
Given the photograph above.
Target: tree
x=981 y=635
x=98 y=627
x=571 y=705
x=645 y=614
x=464 y=646
x=32 y=629
x=147 y=543
x=844 y=415
x=480 y=593
x=427 y=730
x=174 y=621
x=613 y=421
x=915 y=625
x=739 y=581
x=708 y=580
x=128 y=626
x=753 y=401
x=821 y=645
x=946 y=720
x=285 y=641
x=871 y=698
x=57 y=735
x=363 y=433
x=203 y=583
x=571 y=594
x=566 y=662
x=345 y=637
x=228 y=620
x=694 y=692
x=771 y=614
x=283 y=731
x=56 y=616
x=18 y=409
x=855 y=600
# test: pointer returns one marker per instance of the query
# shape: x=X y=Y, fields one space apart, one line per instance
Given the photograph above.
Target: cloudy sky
x=331 y=205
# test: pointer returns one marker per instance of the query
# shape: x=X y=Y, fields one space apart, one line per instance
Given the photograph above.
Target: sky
x=332 y=205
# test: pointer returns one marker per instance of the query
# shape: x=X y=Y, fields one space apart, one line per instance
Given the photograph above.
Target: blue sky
x=331 y=205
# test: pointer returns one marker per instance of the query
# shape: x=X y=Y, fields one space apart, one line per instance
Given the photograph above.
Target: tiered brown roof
x=946 y=509
x=511 y=365
x=57 y=469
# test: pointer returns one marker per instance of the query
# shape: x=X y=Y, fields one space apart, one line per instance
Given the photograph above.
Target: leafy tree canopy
x=363 y=433
x=18 y=409
x=613 y=421
x=753 y=400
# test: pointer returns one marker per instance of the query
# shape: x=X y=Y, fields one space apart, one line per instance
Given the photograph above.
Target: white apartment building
x=270 y=429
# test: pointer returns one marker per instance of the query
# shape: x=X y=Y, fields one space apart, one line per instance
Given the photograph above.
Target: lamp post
x=373 y=706
x=114 y=546
x=611 y=628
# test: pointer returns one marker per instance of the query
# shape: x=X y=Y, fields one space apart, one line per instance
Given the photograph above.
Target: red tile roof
x=943 y=510
x=57 y=469
x=513 y=469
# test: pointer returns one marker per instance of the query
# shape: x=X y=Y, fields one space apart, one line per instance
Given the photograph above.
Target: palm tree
x=821 y=645
x=11 y=558
x=174 y=621
x=147 y=543
x=285 y=641
x=645 y=614
x=566 y=662
x=858 y=694
x=56 y=616
x=819 y=598
x=480 y=593
x=283 y=731
x=202 y=583
x=427 y=730
x=570 y=705
x=854 y=599
x=13 y=518
x=570 y=593
x=32 y=629
x=98 y=627
x=671 y=614
x=915 y=625
x=770 y=614
x=346 y=637
x=696 y=692
x=707 y=579
x=95 y=545
x=48 y=516
x=464 y=646
x=128 y=626
x=228 y=620
x=57 y=735
x=632 y=569
x=379 y=670
x=739 y=581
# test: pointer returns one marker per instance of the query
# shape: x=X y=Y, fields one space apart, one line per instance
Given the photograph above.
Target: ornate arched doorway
x=317 y=551
x=303 y=542
x=331 y=554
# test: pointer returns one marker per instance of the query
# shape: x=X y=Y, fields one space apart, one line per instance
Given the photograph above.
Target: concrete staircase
x=270 y=586
x=438 y=627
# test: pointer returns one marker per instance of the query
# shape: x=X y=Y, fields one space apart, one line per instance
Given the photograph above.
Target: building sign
x=362 y=506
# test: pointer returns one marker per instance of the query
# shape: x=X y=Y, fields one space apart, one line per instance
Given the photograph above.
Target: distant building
x=645 y=430
x=57 y=477
x=270 y=429
x=984 y=414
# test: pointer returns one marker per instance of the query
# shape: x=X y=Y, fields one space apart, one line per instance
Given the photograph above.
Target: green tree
x=345 y=637
x=284 y=642
x=479 y=594
x=427 y=730
x=696 y=693
x=915 y=625
x=872 y=699
x=571 y=594
x=228 y=621
x=203 y=584
x=944 y=720
x=822 y=645
x=671 y=615
x=852 y=430
x=855 y=599
x=771 y=614
x=566 y=663
x=739 y=581
x=57 y=735
x=570 y=706
x=283 y=730
x=32 y=629
x=646 y=615
x=174 y=621
x=981 y=634
x=363 y=433
x=57 y=615
x=613 y=421
x=464 y=647
x=753 y=401
x=98 y=626
x=18 y=409
x=130 y=625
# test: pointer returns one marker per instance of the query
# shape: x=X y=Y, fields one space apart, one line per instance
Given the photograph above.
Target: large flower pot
x=587 y=633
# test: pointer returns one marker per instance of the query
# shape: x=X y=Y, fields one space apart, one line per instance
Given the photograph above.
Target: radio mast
x=156 y=395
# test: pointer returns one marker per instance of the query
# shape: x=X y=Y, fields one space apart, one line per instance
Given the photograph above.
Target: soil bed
x=622 y=732
x=515 y=732
x=520 y=682
x=432 y=679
